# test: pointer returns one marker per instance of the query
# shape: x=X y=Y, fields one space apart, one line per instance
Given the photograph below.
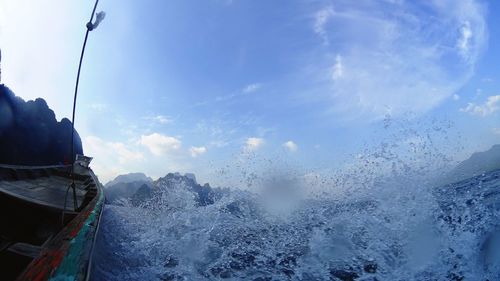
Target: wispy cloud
x=99 y=106
x=490 y=106
x=320 y=20
x=496 y=131
x=197 y=151
x=337 y=68
x=393 y=56
x=291 y=146
x=162 y=119
x=159 y=144
x=464 y=40
x=252 y=88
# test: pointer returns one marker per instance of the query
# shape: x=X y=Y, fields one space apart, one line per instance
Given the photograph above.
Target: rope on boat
x=90 y=26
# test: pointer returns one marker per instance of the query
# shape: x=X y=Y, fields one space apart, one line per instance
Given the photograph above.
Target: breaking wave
x=385 y=218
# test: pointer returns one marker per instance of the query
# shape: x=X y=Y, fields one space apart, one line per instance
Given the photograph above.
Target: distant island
x=137 y=188
x=478 y=163
x=125 y=186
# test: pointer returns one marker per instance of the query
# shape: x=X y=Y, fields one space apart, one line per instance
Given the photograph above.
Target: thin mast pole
x=90 y=27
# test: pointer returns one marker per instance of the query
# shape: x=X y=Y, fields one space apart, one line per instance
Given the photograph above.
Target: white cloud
x=159 y=144
x=252 y=144
x=252 y=88
x=98 y=106
x=463 y=42
x=491 y=105
x=196 y=151
x=115 y=158
x=456 y=97
x=291 y=146
x=320 y=21
x=94 y=146
x=162 y=119
x=111 y=158
x=394 y=55
x=337 y=68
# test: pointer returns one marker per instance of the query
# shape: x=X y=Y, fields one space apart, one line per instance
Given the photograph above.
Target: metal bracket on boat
x=75 y=203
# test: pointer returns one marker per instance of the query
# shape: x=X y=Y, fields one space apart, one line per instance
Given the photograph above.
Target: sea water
x=393 y=230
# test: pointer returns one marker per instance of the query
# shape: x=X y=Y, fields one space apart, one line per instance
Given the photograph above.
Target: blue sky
x=207 y=86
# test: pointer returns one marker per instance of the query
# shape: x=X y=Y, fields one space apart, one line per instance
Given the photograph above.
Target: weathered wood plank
x=50 y=191
x=25 y=249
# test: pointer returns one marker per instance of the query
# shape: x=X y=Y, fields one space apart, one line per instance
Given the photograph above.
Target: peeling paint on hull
x=67 y=255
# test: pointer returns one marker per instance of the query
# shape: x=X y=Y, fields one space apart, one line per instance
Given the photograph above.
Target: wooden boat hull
x=66 y=254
